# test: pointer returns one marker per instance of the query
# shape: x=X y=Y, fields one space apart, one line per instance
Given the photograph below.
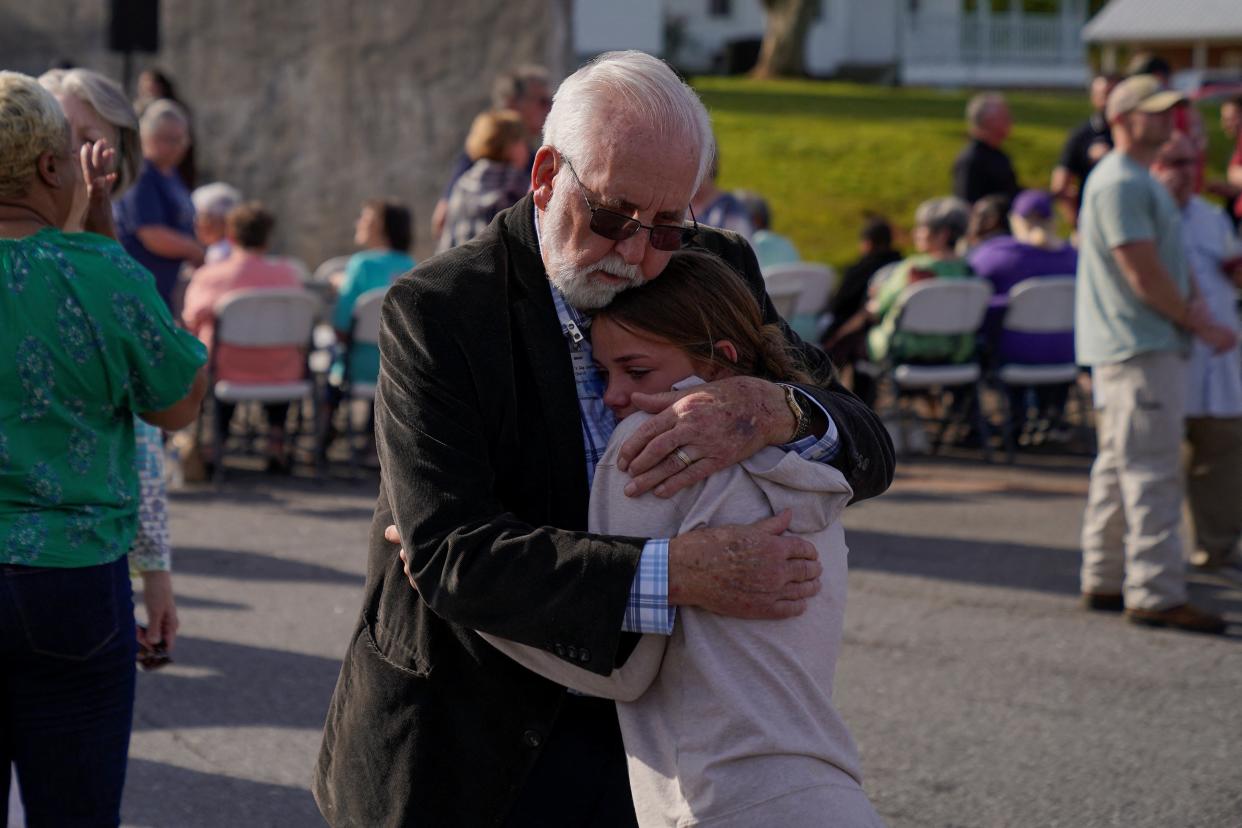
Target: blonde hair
x=492 y=133
x=103 y=95
x=31 y=123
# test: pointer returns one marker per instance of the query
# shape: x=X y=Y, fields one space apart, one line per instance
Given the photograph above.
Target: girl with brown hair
x=726 y=722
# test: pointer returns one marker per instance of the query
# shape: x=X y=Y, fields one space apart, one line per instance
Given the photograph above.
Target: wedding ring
x=684 y=458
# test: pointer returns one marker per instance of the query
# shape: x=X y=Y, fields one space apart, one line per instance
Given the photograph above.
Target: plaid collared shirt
x=648 y=610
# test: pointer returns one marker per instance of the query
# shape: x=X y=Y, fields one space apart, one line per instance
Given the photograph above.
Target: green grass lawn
x=823 y=153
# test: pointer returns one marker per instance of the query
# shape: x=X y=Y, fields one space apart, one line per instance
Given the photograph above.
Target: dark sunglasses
x=1177 y=162
x=616 y=226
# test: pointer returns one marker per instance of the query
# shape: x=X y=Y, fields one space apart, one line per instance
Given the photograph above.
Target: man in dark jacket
x=489 y=422
x=982 y=168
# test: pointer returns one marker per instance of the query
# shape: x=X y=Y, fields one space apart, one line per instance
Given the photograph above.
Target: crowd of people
x=652 y=642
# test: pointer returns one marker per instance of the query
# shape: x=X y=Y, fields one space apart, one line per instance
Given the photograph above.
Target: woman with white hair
x=938 y=224
x=98 y=111
x=155 y=219
x=91 y=345
x=212 y=204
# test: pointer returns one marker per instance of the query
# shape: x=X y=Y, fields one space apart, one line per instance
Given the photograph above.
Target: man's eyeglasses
x=616 y=226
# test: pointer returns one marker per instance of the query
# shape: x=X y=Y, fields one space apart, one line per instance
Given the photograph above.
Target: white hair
x=980 y=106
x=215 y=199
x=945 y=213
x=634 y=83
x=163 y=110
x=31 y=123
x=103 y=95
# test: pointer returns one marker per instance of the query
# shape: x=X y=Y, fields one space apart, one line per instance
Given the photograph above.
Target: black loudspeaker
x=135 y=26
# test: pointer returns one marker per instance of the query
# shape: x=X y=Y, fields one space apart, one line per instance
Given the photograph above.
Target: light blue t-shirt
x=366 y=271
x=1122 y=203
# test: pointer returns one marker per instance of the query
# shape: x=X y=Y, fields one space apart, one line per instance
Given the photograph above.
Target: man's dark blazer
x=484 y=472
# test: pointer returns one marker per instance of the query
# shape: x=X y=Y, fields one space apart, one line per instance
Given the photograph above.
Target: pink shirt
x=240 y=271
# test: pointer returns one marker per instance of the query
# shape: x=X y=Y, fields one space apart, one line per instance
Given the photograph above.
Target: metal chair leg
x=981 y=423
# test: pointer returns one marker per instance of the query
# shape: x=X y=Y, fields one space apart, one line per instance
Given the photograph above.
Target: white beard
x=580 y=290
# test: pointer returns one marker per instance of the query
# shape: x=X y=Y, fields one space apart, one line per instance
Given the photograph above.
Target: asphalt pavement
x=977 y=690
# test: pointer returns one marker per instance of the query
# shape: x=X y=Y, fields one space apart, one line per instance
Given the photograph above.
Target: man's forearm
x=1151 y=282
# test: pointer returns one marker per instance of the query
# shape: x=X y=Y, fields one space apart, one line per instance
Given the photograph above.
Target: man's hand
x=744 y=571
x=702 y=430
x=162 y=622
x=1218 y=337
x=394 y=537
x=1201 y=323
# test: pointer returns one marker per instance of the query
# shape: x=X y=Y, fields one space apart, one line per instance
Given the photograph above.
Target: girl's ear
x=725 y=348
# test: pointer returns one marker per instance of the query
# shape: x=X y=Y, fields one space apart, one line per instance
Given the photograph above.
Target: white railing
x=999 y=39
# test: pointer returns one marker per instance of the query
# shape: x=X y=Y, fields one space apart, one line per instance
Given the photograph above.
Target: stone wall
x=315 y=105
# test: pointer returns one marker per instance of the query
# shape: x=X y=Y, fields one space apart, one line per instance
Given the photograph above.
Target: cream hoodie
x=730 y=722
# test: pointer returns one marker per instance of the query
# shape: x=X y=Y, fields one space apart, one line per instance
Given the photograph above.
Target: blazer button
x=584 y=655
x=532 y=739
x=572 y=652
x=559 y=649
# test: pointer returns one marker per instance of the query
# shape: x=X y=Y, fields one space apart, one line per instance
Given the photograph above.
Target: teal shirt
x=86 y=342
x=367 y=270
x=1122 y=203
x=884 y=341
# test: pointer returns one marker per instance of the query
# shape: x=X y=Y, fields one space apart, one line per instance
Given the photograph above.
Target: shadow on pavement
x=159 y=795
x=1008 y=565
x=232 y=563
x=245 y=686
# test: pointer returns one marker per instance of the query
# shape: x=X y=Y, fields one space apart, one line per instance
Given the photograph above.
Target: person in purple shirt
x=155 y=218
x=1032 y=251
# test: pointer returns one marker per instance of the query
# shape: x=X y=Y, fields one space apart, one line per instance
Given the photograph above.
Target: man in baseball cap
x=1141 y=93
x=1135 y=313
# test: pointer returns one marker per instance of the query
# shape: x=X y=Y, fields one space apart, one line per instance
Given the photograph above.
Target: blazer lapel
x=538 y=333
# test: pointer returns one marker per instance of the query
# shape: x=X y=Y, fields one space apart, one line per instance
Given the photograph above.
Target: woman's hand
x=162 y=623
x=99 y=172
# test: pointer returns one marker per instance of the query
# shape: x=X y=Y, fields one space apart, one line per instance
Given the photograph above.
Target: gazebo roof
x=1153 y=21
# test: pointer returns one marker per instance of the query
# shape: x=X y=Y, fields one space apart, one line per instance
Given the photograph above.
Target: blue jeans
x=67 y=651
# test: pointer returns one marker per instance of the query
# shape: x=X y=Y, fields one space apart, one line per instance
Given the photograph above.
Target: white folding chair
x=364 y=329
x=784 y=294
x=261 y=318
x=1040 y=305
x=329 y=268
x=815 y=283
x=949 y=307
x=320 y=282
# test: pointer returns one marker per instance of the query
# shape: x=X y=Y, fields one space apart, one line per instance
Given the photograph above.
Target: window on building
x=719 y=8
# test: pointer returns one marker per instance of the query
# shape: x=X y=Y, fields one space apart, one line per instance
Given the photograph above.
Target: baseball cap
x=1032 y=203
x=1141 y=93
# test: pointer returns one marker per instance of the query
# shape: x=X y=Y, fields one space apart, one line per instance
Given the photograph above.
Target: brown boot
x=1184 y=617
x=1102 y=602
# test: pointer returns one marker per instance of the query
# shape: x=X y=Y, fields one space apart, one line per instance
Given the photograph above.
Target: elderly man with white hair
x=982 y=168
x=155 y=217
x=490 y=420
x=212 y=203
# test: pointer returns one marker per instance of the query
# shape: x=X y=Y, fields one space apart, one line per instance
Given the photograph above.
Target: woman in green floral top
x=85 y=343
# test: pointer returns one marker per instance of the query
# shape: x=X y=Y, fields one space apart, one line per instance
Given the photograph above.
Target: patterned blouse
x=85 y=344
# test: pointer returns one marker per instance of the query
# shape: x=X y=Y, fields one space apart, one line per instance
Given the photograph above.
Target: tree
x=784 y=40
